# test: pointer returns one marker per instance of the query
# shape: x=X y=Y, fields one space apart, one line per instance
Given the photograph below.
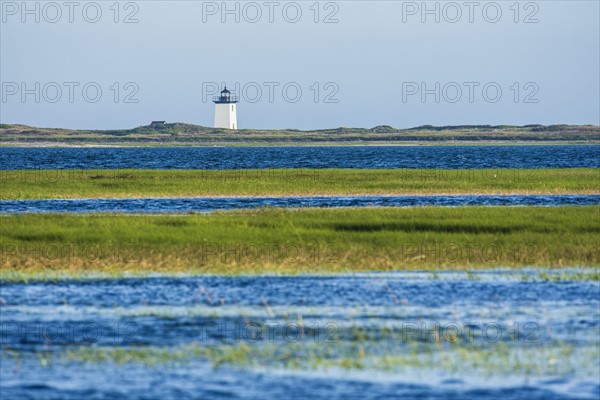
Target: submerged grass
x=62 y=184
x=495 y=359
x=279 y=241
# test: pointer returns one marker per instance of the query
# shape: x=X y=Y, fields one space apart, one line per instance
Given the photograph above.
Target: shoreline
x=489 y=273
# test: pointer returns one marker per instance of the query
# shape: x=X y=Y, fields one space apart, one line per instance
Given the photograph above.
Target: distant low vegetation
x=188 y=134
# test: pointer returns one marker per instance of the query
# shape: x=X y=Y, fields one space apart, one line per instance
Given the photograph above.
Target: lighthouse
x=225 y=110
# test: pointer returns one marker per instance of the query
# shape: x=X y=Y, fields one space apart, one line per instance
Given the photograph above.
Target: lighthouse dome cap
x=225 y=90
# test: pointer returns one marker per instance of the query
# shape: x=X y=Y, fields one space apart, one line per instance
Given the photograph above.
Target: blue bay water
x=371 y=157
x=172 y=312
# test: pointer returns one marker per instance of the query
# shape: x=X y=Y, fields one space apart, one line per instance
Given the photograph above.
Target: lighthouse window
x=232 y=108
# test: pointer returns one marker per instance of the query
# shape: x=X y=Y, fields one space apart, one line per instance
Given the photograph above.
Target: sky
x=300 y=65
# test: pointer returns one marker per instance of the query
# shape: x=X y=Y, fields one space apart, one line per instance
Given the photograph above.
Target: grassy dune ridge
x=300 y=241
x=181 y=134
x=57 y=184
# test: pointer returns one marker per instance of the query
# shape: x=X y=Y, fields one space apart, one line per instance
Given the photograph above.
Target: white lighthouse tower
x=225 y=110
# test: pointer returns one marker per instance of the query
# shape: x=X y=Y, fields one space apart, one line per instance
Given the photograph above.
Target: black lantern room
x=225 y=97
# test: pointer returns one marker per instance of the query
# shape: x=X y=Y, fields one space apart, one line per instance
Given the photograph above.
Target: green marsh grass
x=279 y=241
x=59 y=184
